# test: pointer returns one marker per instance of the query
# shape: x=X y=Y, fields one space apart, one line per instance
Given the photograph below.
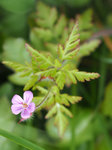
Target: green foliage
x=14 y=50
x=45 y=34
x=19 y=140
x=55 y=71
x=107 y=103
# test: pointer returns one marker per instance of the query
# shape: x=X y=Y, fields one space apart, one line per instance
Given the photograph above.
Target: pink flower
x=23 y=106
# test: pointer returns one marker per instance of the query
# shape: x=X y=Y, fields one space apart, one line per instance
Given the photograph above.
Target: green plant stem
x=72 y=143
x=19 y=140
x=45 y=98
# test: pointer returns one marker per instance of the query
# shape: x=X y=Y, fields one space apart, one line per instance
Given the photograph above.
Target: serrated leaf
x=65 y=110
x=71 y=99
x=51 y=47
x=60 y=79
x=72 y=77
x=50 y=102
x=33 y=79
x=61 y=122
x=73 y=40
x=74 y=99
x=51 y=112
x=43 y=34
x=15 y=66
x=49 y=21
x=87 y=48
x=85 y=25
x=60 y=51
x=50 y=72
x=39 y=57
x=71 y=54
x=43 y=10
x=85 y=76
x=59 y=27
x=41 y=89
x=57 y=63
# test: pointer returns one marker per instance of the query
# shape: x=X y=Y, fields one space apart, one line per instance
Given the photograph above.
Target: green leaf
x=107 y=103
x=43 y=10
x=15 y=66
x=51 y=112
x=60 y=79
x=72 y=77
x=49 y=21
x=65 y=110
x=71 y=99
x=21 y=6
x=60 y=51
x=85 y=25
x=84 y=76
x=47 y=73
x=17 y=79
x=41 y=89
x=43 y=34
x=33 y=79
x=59 y=27
x=87 y=48
x=19 y=140
x=73 y=40
x=57 y=63
x=61 y=122
x=71 y=54
x=39 y=57
x=14 y=50
x=51 y=47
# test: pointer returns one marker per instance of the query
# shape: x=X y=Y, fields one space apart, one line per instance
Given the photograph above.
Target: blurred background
x=91 y=126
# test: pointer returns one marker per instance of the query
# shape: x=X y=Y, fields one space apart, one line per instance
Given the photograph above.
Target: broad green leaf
x=6 y=89
x=14 y=50
x=21 y=6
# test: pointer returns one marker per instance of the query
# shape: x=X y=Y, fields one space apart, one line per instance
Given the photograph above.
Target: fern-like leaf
x=44 y=61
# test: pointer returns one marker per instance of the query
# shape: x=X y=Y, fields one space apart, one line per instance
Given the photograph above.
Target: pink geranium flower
x=23 y=106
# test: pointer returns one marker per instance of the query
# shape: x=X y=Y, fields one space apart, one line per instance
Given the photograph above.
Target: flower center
x=25 y=105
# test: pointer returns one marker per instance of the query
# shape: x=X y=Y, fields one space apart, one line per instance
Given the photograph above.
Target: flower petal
x=25 y=114
x=31 y=107
x=17 y=99
x=28 y=96
x=16 y=108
